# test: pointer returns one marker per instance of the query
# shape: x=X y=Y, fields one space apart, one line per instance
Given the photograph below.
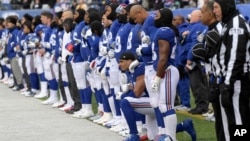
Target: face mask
x=158 y=23
x=122 y=18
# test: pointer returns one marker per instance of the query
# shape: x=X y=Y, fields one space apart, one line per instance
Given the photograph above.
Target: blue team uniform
x=148 y=29
x=164 y=33
x=76 y=40
x=85 y=47
x=134 y=39
x=12 y=42
x=128 y=106
x=47 y=30
x=115 y=26
x=122 y=39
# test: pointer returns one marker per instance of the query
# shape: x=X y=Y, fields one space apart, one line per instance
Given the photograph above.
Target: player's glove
x=46 y=45
x=125 y=87
x=111 y=53
x=24 y=52
x=132 y=66
x=59 y=60
x=138 y=50
x=47 y=55
x=17 y=49
x=67 y=51
x=146 y=40
x=6 y=60
x=155 y=83
x=118 y=95
x=86 y=65
x=103 y=51
x=103 y=74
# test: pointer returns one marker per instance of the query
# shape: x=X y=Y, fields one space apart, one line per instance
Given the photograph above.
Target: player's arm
x=163 y=57
x=139 y=87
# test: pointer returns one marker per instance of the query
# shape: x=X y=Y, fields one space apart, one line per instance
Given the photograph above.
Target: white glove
x=31 y=44
x=77 y=41
x=88 y=33
x=46 y=45
x=24 y=52
x=103 y=50
x=22 y=42
x=86 y=65
x=125 y=88
x=111 y=53
x=103 y=73
x=65 y=53
x=138 y=50
x=5 y=59
x=47 y=55
x=132 y=66
x=146 y=40
x=123 y=78
x=118 y=95
x=16 y=50
x=59 y=60
x=155 y=83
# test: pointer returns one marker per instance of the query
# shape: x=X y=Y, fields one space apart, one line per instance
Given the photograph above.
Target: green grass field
x=204 y=129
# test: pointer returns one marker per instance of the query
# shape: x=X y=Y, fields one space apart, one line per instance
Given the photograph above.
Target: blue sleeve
x=197 y=30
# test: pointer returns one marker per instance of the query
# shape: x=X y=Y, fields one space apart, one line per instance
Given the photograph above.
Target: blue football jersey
x=148 y=29
x=138 y=71
x=134 y=39
x=122 y=39
x=166 y=34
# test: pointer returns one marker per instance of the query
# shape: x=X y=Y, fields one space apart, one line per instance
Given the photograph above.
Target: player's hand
x=138 y=50
x=190 y=65
x=24 y=52
x=59 y=60
x=146 y=40
x=111 y=53
x=155 y=83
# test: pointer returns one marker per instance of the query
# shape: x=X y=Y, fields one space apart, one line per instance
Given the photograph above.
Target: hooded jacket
x=233 y=55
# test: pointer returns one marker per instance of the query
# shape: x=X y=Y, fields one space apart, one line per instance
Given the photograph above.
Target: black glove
x=213 y=40
x=226 y=95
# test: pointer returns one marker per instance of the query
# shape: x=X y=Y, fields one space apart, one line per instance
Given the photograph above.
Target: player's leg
x=166 y=100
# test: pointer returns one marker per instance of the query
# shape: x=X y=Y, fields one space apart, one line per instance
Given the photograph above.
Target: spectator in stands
x=26 y=4
x=81 y=5
x=158 y=4
x=37 y=4
x=178 y=20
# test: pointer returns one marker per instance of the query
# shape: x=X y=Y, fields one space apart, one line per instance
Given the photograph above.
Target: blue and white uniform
x=47 y=40
x=131 y=105
x=168 y=84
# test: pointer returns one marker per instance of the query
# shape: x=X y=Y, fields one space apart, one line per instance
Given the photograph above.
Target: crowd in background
x=148 y=4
